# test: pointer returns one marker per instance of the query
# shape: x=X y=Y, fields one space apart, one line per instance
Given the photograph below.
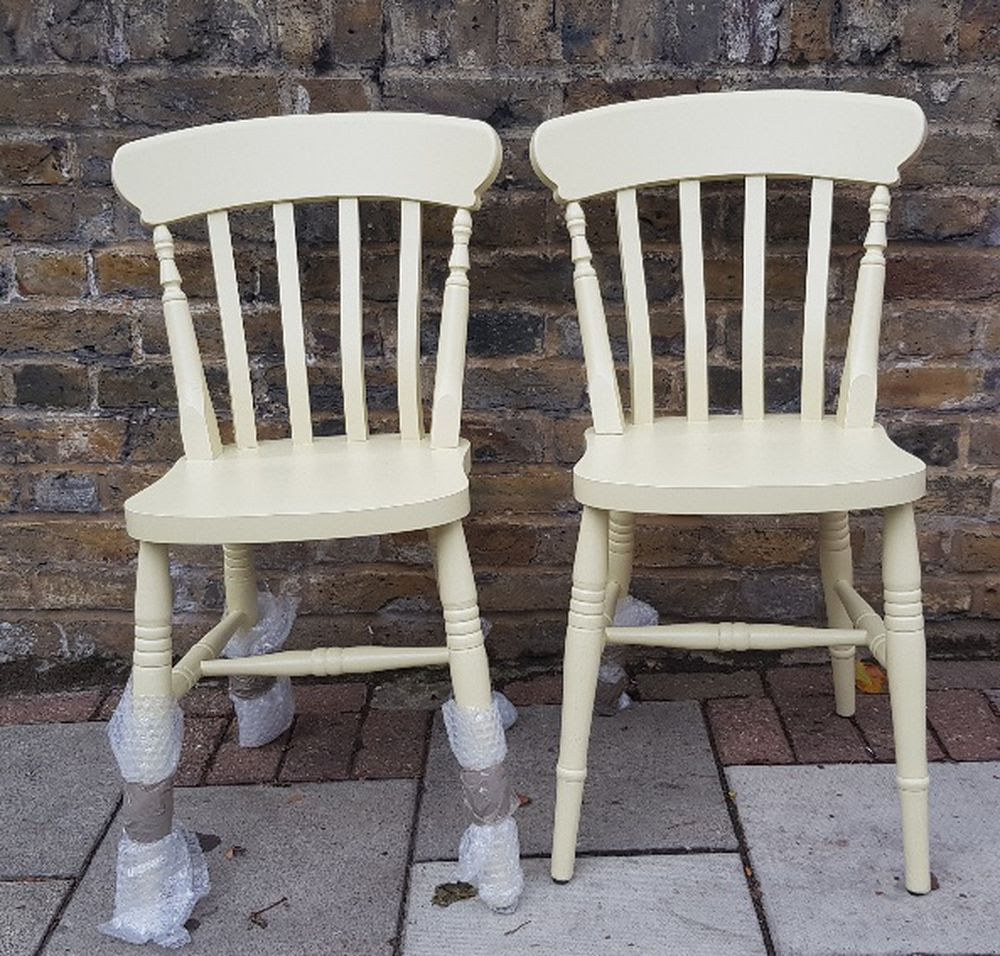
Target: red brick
x=202 y=735
x=207 y=700
x=546 y=689
x=233 y=764
x=804 y=696
x=53 y=708
x=747 y=731
x=702 y=686
x=966 y=724
x=874 y=718
x=393 y=744
x=322 y=699
x=321 y=747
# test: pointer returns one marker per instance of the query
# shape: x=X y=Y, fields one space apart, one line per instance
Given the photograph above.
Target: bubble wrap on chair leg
x=158 y=882
x=264 y=706
x=611 y=678
x=489 y=854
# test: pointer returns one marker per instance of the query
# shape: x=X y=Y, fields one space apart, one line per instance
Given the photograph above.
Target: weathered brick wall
x=85 y=386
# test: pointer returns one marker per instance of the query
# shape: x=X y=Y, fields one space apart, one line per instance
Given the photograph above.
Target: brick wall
x=88 y=411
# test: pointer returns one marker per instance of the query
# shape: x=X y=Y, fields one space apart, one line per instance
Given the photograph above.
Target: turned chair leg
x=470 y=669
x=152 y=673
x=907 y=669
x=584 y=644
x=240 y=581
x=621 y=545
x=836 y=565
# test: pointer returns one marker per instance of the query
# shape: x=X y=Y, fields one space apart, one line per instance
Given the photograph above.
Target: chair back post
x=199 y=428
x=859 y=383
x=602 y=384
x=448 y=378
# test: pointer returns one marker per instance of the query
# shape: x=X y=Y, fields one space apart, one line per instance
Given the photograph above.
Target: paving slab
x=26 y=909
x=826 y=847
x=688 y=905
x=337 y=851
x=58 y=788
x=652 y=784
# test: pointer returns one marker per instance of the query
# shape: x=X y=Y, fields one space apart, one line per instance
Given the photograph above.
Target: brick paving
x=342 y=730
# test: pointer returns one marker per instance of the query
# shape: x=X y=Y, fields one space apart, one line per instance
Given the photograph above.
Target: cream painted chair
x=754 y=463
x=305 y=487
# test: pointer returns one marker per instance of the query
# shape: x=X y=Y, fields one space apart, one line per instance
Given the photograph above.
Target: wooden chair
x=306 y=487
x=753 y=463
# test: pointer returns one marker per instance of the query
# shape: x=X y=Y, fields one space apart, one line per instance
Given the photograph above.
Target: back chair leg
x=584 y=644
x=907 y=669
x=240 y=581
x=836 y=565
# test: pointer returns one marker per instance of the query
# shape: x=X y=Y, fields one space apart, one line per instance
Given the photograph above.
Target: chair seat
x=780 y=465
x=331 y=488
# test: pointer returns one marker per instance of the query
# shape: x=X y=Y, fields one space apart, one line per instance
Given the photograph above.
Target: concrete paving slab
x=337 y=851
x=652 y=784
x=826 y=847
x=26 y=909
x=695 y=905
x=58 y=787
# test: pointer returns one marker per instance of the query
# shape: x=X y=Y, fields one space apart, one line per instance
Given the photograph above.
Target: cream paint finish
x=255 y=491
x=753 y=463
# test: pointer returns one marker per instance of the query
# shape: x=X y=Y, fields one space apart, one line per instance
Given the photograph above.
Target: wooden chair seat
x=280 y=491
x=781 y=464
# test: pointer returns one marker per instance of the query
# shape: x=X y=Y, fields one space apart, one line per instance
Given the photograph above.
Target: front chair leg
x=835 y=564
x=489 y=854
x=907 y=670
x=584 y=644
x=161 y=872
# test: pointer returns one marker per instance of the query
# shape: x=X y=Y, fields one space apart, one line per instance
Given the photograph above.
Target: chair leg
x=152 y=673
x=621 y=545
x=240 y=581
x=836 y=565
x=584 y=644
x=907 y=671
x=470 y=669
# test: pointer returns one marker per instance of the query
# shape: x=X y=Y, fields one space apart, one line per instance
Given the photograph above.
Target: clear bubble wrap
x=629 y=612
x=260 y=719
x=489 y=855
x=158 y=883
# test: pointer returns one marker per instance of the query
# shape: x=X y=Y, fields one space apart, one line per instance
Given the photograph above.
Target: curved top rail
x=855 y=137
x=435 y=159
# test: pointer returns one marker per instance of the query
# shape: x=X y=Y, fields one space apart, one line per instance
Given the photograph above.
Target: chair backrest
x=347 y=157
x=821 y=136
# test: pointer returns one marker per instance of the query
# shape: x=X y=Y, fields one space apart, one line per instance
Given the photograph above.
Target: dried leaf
x=523 y=800
x=869 y=677
x=447 y=893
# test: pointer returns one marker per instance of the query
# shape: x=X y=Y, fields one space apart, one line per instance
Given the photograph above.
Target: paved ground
x=726 y=813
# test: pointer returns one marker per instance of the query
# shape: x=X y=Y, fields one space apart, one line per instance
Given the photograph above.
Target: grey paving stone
x=826 y=847
x=688 y=905
x=58 y=788
x=26 y=909
x=336 y=850
x=651 y=784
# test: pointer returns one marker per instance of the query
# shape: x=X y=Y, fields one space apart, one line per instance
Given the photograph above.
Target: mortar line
x=749 y=873
x=77 y=880
x=411 y=849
